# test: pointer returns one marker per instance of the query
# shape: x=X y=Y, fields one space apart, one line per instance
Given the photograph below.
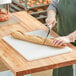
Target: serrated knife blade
x=50 y=27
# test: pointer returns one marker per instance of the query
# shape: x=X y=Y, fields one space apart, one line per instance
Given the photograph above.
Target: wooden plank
x=16 y=62
x=2 y=67
x=43 y=73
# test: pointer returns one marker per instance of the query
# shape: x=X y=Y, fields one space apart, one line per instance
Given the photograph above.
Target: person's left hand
x=61 y=41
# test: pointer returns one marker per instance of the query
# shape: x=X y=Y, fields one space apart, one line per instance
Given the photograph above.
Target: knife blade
x=50 y=27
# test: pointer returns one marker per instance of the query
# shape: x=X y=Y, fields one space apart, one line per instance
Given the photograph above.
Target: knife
x=50 y=27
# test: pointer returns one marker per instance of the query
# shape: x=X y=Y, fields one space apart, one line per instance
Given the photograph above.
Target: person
x=65 y=12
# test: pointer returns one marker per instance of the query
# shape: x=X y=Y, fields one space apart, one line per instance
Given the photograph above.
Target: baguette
x=34 y=39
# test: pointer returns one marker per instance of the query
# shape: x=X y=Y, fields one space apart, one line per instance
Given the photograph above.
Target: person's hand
x=51 y=19
x=61 y=41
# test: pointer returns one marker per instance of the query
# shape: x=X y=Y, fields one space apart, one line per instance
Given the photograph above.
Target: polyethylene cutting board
x=31 y=51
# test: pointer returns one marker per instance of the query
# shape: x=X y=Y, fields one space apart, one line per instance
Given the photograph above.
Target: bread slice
x=34 y=39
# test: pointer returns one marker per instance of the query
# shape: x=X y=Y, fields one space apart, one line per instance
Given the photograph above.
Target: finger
x=58 y=43
x=47 y=20
x=54 y=23
x=55 y=41
x=51 y=22
x=62 y=43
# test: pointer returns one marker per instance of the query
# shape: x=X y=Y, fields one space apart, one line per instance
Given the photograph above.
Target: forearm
x=52 y=9
x=72 y=36
x=51 y=13
x=53 y=5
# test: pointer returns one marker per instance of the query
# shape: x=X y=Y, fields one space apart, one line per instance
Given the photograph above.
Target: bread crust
x=34 y=39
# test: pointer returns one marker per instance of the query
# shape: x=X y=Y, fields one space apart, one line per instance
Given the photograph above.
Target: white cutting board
x=5 y=1
x=31 y=51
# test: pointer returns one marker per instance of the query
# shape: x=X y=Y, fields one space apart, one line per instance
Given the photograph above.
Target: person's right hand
x=51 y=20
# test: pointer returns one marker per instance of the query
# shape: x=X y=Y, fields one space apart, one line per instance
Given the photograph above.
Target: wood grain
x=16 y=63
x=2 y=67
x=43 y=73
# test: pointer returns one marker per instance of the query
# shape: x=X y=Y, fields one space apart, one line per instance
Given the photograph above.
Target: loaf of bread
x=34 y=39
x=4 y=15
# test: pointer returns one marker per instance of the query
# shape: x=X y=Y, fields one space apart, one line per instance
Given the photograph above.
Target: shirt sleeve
x=53 y=5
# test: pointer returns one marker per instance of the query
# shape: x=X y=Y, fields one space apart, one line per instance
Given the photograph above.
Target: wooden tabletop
x=15 y=62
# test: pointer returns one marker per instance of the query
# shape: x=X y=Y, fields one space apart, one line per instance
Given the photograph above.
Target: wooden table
x=16 y=63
